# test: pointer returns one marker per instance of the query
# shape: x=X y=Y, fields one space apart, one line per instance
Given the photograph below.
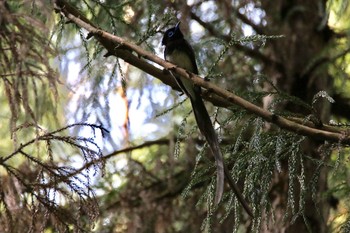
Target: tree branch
x=123 y=49
x=247 y=21
x=246 y=50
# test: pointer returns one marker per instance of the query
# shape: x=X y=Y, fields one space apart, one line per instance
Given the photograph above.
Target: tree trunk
x=295 y=72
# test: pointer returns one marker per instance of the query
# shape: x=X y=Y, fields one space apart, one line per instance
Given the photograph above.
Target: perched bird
x=179 y=52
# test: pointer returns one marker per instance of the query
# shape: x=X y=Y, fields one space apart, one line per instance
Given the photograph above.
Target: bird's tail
x=205 y=126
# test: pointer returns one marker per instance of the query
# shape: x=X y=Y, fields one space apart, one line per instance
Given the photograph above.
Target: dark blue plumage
x=179 y=52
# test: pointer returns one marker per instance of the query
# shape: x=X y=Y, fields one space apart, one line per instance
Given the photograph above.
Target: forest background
x=95 y=136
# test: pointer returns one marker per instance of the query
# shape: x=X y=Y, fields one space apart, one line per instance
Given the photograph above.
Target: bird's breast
x=180 y=59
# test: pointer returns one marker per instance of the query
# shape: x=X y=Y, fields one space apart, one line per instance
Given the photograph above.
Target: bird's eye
x=170 y=34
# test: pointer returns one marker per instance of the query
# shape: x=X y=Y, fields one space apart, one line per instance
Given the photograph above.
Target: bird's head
x=172 y=34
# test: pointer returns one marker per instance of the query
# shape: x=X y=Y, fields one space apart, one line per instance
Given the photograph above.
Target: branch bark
x=126 y=50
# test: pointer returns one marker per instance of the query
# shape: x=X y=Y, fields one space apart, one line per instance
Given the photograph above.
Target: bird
x=179 y=52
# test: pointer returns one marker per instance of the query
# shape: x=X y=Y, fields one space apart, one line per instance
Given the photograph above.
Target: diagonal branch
x=247 y=21
x=246 y=50
x=124 y=49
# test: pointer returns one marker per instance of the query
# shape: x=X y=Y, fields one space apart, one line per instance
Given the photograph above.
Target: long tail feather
x=207 y=129
x=205 y=126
